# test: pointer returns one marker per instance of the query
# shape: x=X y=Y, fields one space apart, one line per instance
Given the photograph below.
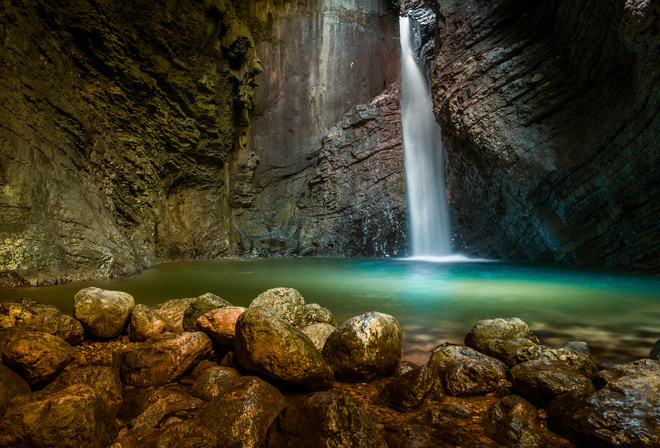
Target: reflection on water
x=617 y=313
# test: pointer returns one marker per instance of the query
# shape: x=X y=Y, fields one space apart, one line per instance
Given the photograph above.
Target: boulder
x=502 y=329
x=11 y=384
x=580 y=347
x=240 y=417
x=172 y=434
x=325 y=419
x=409 y=390
x=214 y=381
x=465 y=371
x=101 y=312
x=541 y=380
x=220 y=324
x=164 y=358
x=38 y=357
x=163 y=406
x=641 y=367
x=655 y=351
x=365 y=347
x=199 y=306
x=146 y=323
x=318 y=334
x=173 y=310
x=269 y=345
x=288 y=304
x=70 y=418
x=623 y=414
x=499 y=349
x=32 y=316
x=567 y=355
x=517 y=423
x=103 y=379
x=316 y=314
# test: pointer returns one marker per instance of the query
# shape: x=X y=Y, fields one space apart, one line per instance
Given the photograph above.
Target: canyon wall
x=550 y=113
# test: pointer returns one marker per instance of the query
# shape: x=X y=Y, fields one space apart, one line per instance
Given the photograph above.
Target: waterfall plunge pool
x=617 y=313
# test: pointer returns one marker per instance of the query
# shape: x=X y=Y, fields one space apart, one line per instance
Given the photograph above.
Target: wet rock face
x=41 y=317
x=550 y=123
x=101 y=312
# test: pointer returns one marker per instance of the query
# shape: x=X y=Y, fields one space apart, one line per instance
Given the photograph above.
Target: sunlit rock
x=103 y=313
x=30 y=315
x=145 y=323
x=498 y=329
x=174 y=310
x=220 y=324
x=201 y=305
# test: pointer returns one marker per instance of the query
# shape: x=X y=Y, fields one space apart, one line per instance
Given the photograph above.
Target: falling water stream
x=424 y=158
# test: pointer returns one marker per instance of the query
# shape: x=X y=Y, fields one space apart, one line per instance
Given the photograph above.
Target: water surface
x=617 y=313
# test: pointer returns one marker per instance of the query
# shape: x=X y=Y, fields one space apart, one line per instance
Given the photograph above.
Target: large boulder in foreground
x=146 y=323
x=365 y=347
x=199 y=306
x=498 y=330
x=288 y=304
x=625 y=413
x=517 y=423
x=101 y=312
x=11 y=384
x=164 y=358
x=464 y=371
x=409 y=390
x=567 y=355
x=38 y=357
x=325 y=419
x=70 y=418
x=32 y=316
x=103 y=379
x=240 y=417
x=269 y=345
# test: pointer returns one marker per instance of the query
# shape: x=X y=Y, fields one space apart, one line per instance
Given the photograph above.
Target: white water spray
x=423 y=157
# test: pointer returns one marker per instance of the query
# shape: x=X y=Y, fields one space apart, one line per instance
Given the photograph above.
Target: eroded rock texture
x=550 y=120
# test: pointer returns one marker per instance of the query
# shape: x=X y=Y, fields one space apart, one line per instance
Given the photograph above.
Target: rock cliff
x=551 y=120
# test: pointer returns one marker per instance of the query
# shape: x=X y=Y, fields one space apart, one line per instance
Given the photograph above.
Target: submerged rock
x=164 y=358
x=199 y=306
x=365 y=347
x=325 y=419
x=240 y=417
x=33 y=316
x=269 y=345
x=69 y=418
x=103 y=313
x=220 y=324
x=146 y=323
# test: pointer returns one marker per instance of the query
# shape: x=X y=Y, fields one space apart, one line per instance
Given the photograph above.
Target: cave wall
x=550 y=113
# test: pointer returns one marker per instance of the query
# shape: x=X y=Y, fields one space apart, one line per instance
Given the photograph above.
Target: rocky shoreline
x=200 y=372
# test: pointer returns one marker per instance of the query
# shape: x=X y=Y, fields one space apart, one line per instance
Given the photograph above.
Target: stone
x=69 y=418
x=642 y=367
x=162 y=407
x=103 y=379
x=240 y=417
x=103 y=313
x=269 y=345
x=199 y=306
x=624 y=413
x=580 y=347
x=220 y=324
x=286 y=303
x=318 y=334
x=146 y=323
x=34 y=316
x=174 y=310
x=365 y=347
x=325 y=419
x=38 y=357
x=541 y=380
x=499 y=349
x=316 y=314
x=465 y=371
x=568 y=356
x=164 y=358
x=409 y=390
x=11 y=384
x=174 y=434
x=214 y=381
x=517 y=423
x=498 y=329
x=655 y=351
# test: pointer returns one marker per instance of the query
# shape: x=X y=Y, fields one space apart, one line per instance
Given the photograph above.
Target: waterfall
x=423 y=157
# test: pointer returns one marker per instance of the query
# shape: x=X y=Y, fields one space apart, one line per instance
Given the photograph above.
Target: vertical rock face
x=551 y=122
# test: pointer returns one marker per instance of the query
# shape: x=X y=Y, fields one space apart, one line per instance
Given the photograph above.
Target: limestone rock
x=541 y=380
x=409 y=390
x=318 y=334
x=220 y=324
x=163 y=358
x=269 y=345
x=11 y=384
x=214 y=381
x=174 y=310
x=365 y=347
x=201 y=305
x=103 y=379
x=517 y=423
x=70 y=418
x=498 y=329
x=146 y=323
x=103 y=313
x=40 y=317
x=566 y=355
x=240 y=417
x=38 y=357
x=465 y=371
x=325 y=419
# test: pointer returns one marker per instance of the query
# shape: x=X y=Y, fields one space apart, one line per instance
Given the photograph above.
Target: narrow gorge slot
x=424 y=156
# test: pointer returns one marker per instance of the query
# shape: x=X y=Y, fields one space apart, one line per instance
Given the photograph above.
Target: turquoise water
x=617 y=313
